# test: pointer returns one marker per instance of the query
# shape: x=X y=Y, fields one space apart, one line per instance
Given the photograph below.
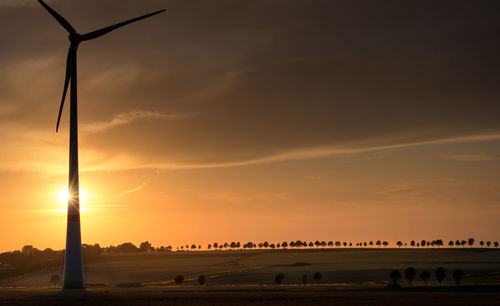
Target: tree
x=410 y=274
x=425 y=276
x=496 y=244
x=457 y=275
x=481 y=243
x=440 y=274
x=412 y=243
x=488 y=243
x=179 y=279
x=395 y=276
x=422 y=243
x=317 y=277
x=55 y=279
x=399 y=243
x=385 y=243
x=470 y=242
x=304 y=279
x=201 y=280
x=278 y=279
x=450 y=243
x=146 y=246
x=379 y=243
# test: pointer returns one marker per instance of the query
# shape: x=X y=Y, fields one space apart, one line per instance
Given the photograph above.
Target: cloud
x=470 y=157
x=127 y=118
x=121 y=194
x=128 y=163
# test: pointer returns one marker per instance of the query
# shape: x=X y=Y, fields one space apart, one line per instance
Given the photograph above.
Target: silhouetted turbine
x=73 y=265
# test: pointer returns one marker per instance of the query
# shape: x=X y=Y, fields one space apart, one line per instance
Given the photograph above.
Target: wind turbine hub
x=75 y=37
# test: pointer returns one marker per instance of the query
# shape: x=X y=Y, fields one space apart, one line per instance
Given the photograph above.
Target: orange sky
x=254 y=121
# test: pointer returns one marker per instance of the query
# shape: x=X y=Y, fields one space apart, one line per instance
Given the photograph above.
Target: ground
x=156 y=296
x=349 y=277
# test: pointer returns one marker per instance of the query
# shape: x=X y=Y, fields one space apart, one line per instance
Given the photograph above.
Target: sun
x=63 y=197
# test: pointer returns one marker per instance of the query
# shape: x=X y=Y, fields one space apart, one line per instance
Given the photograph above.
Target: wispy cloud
x=121 y=194
x=311 y=153
x=127 y=118
x=470 y=157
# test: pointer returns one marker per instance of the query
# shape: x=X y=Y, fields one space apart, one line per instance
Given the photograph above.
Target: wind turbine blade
x=58 y=17
x=106 y=30
x=66 y=82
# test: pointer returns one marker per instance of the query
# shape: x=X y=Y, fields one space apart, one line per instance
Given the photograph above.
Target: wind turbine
x=73 y=264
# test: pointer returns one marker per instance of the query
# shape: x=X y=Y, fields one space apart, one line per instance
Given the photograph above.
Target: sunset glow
x=220 y=122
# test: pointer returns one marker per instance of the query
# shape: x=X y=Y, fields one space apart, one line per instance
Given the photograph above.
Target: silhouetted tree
x=440 y=274
x=278 y=279
x=496 y=244
x=201 y=280
x=146 y=246
x=55 y=279
x=457 y=243
x=481 y=243
x=488 y=243
x=330 y=243
x=410 y=274
x=399 y=243
x=284 y=244
x=457 y=275
x=450 y=243
x=395 y=276
x=337 y=244
x=179 y=279
x=422 y=243
x=317 y=277
x=385 y=243
x=463 y=242
x=379 y=243
x=304 y=279
x=425 y=276
x=470 y=242
x=412 y=243
x=311 y=244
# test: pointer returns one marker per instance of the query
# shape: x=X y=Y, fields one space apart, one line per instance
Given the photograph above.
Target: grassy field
x=340 y=268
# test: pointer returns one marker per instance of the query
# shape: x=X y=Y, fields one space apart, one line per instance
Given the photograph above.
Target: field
x=349 y=276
